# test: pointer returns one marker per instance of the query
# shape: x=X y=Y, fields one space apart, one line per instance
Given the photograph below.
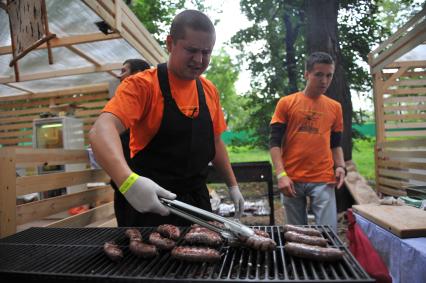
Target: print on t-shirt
x=310 y=121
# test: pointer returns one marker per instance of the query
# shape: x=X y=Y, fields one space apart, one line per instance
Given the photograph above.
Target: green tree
x=224 y=74
x=277 y=67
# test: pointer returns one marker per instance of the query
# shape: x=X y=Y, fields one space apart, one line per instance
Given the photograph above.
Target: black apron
x=176 y=158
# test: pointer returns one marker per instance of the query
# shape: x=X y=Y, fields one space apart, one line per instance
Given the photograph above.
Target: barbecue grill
x=76 y=254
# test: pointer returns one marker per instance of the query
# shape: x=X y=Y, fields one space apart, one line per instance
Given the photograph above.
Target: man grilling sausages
x=175 y=120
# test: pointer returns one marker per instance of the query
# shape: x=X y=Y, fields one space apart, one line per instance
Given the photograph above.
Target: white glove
x=237 y=198
x=143 y=193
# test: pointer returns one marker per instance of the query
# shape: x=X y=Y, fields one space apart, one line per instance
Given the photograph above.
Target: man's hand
x=340 y=173
x=237 y=198
x=285 y=184
x=143 y=193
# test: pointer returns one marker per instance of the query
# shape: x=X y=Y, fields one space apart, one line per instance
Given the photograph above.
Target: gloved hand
x=237 y=198
x=143 y=193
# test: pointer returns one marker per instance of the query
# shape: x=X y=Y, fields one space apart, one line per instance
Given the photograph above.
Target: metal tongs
x=232 y=231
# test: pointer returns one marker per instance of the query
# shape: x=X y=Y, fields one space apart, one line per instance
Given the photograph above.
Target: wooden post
x=7 y=192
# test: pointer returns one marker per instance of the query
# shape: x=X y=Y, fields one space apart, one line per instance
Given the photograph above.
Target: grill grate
x=72 y=254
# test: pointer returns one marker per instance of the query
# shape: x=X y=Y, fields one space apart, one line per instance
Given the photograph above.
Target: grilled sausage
x=203 y=236
x=260 y=243
x=292 y=236
x=112 y=251
x=195 y=254
x=160 y=242
x=169 y=231
x=313 y=252
x=302 y=230
x=261 y=233
x=133 y=234
x=142 y=250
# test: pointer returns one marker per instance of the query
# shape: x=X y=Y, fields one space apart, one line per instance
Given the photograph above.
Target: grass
x=362 y=155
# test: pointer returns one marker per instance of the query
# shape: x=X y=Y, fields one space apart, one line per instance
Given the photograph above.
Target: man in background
x=305 y=146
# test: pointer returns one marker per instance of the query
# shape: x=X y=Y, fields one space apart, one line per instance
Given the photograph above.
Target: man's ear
x=306 y=75
x=169 y=43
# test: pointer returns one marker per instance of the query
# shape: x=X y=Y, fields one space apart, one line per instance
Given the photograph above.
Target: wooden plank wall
x=18 y=112
x=404 y=100
x=29 y=214
x=400 y=97
x=400 y=164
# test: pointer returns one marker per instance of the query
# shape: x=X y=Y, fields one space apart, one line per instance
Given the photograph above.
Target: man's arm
x=142 y=193
x=285 y=184
x=106 y=144
x=339 y=165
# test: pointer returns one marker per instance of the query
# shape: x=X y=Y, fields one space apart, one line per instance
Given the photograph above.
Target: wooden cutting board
x=403 y=221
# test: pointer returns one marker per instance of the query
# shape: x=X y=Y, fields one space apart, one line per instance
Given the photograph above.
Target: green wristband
x=128 y=183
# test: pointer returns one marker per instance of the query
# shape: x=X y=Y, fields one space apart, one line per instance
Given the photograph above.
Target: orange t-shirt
x=139 y=104
x=306 y=152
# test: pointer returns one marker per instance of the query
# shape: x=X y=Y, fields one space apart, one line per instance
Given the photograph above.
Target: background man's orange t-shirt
x=306 y=151
x=139 y=104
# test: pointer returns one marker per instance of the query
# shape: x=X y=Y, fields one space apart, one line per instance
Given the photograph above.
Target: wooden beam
x=83 y=219
x=402 y=117
x=409 y=64
x=405 y=99
x=401 y=164
x=412 y=39
x=7 y=192
x=69 y=40
x=83 y=55
x=26 y=157
x=392 y=79
x=93 y=88
x=417 y=90
x=402 y=174
x=31 y=184
x=406 y=134
x=399 y=33
x=392 y=154
x=406 y=125
x=404 y=108
x=62 y=73
x=45 y=207
x=404 y=143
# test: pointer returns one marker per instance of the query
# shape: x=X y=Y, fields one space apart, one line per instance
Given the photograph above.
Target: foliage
x=157 y=15
x=360 y=29
x=266 y=63
x=224 y=74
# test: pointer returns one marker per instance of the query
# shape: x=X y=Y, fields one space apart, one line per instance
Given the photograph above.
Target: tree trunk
x=290 y=55
x=321 y=35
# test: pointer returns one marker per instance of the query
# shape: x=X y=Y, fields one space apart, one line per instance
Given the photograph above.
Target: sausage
x=142 y=250
x=133 y=234
x=112 y=251
x=160 y=242
x=313 y=252
x=292 y=236
x=195 y=254
x=203 y=236
x=261 y=233
x=260 y=243
x=169 y=231
x=302 y=230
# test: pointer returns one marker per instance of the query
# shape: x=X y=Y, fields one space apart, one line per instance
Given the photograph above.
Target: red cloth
x=364 y=252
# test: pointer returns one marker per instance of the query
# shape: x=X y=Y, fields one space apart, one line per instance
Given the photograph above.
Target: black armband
x=276 y=131
x=335 y=139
